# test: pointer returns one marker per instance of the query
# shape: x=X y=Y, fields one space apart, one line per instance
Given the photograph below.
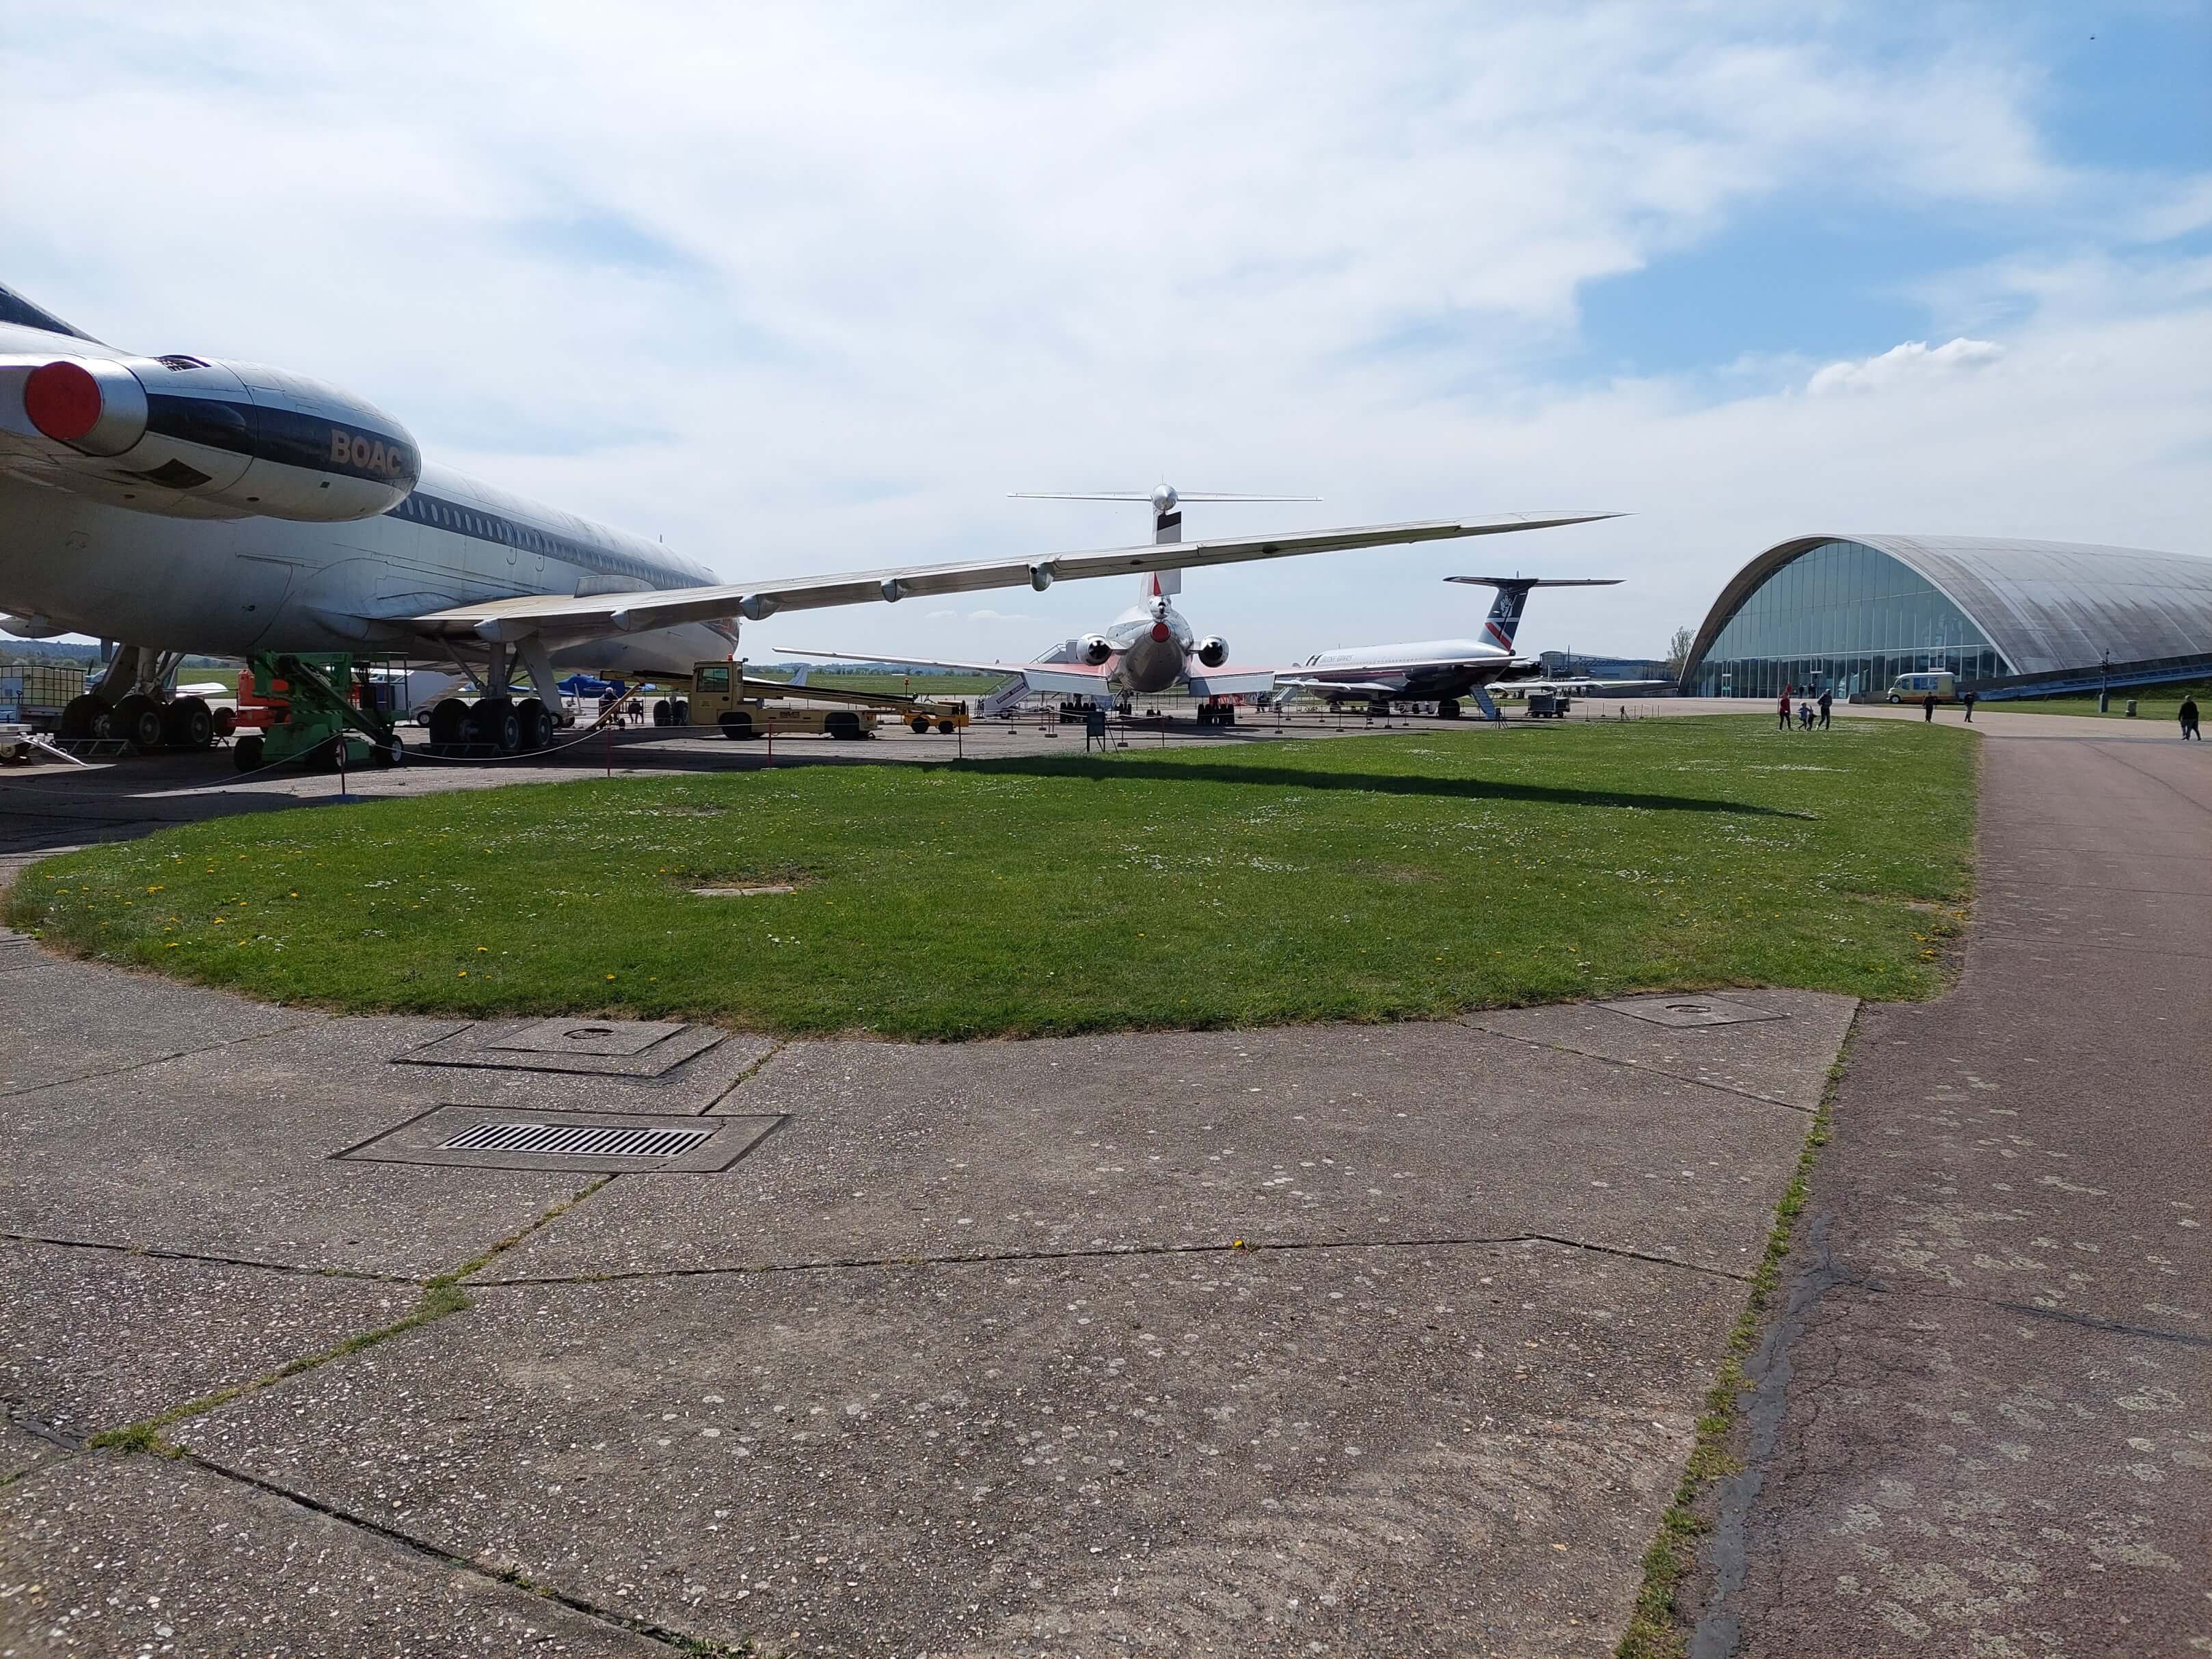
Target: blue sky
x=816 y=288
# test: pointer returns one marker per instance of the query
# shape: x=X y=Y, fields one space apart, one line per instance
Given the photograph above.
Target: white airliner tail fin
x=1504 y=621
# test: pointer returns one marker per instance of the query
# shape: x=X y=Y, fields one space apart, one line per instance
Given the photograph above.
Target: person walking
x=2189 y=720
x=1969 y=698
x=1827 y=701
x=1805 y=715
x=1928 y=708
x=1784 y=726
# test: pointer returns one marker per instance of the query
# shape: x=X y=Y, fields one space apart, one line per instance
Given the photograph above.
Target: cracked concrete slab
x=23 y=1447
x=1785 y=1060
x=140 y=1021
x=1192 y=1138
x=139 y=1555
x=1377 y=1450
x=226 y=1153
x=93 y=1339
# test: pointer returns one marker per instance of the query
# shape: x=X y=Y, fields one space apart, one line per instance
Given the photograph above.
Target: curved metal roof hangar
x=2044 y=605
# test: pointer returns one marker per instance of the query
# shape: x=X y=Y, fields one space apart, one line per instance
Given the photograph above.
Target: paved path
x=1369 y=1340
x=1984 y=1426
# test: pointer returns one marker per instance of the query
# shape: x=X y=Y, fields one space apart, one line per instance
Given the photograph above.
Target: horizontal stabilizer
x=1537 y=581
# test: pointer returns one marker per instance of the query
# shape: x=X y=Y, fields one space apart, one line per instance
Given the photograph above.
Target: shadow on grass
x=1381 y=783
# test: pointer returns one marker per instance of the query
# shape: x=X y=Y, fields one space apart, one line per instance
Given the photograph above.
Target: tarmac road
x=1984 y=1422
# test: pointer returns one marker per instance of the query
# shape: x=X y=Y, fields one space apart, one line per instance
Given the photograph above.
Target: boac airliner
x=180 y=502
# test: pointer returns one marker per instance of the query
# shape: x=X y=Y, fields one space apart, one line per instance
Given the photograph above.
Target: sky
x=808 y=288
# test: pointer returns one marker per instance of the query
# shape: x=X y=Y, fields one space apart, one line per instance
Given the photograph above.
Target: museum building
x=2010 y=618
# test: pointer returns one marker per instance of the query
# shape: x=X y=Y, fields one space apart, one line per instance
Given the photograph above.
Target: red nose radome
x=1160 y=632
x=63 y=401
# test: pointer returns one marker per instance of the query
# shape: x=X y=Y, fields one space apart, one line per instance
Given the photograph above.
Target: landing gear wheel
x=499 y=723
x=536 y=722
x=247 y=755
x=446 y=720
x=679 y=712
x=226 y=721
x=188 y=723
x=662 y=712
x=137 y=720
x=88 y=717
x=1447 y=708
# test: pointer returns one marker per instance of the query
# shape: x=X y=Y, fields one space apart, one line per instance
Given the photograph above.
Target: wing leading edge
x=637 y=612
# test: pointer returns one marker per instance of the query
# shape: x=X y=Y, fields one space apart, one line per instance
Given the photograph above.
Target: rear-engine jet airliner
x=183 y=503
x=1441 y=672
x=1148 y=648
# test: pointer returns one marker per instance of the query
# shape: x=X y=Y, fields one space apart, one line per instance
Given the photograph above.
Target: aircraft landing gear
x=137 y=720
x=446 y=720
x=1447 y=708
x=499 y=723
x=536 y=722
x=86 y=717
x=188 y=723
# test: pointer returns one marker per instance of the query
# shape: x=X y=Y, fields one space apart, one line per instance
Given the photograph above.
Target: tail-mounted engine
x=191 y=435
x=1095 y=649
x=1214 y=651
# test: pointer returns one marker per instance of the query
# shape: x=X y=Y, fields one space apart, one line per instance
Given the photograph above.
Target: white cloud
x=808 y=288
x=1904 y=365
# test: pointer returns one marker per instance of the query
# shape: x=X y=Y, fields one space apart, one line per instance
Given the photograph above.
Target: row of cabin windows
x=462 y=521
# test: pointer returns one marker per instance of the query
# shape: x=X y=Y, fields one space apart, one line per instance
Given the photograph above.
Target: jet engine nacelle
x=1214 y=651
x=195 y=436
x=1095 y=649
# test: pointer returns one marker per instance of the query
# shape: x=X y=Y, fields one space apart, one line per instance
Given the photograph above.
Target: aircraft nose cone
x=1160 y=632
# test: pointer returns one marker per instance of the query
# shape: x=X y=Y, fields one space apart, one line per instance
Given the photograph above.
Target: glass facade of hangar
x=1845 y=618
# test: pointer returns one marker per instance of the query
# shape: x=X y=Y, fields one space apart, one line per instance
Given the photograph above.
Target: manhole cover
x=490 y=1138
x=563 y=1139
x=1686 y=1012
x=594 y=1047
x=570 y=1037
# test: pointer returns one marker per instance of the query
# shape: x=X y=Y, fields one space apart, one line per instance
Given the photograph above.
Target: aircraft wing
x=1205 y=682
x=1350 y=687
x=1078 y=679
x=508 y=620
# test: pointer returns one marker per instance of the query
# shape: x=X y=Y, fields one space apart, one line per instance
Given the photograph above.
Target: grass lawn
x=2153 y=702
x=1353 y=877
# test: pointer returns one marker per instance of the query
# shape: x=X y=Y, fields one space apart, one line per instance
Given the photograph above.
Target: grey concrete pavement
x=1984 y=1423
x=141 y=1556
x=1367 y=1339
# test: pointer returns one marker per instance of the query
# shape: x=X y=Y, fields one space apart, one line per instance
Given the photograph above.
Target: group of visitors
x=1809 y=709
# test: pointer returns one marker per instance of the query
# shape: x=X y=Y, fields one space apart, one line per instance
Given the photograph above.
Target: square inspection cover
x=1690 y=1010
x=600 y=1142
x=588 y=1047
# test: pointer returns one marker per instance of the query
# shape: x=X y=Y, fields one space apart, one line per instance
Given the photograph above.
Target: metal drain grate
x=574 y=1140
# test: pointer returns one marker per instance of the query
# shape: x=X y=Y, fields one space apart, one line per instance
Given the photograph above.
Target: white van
x=1914 y=688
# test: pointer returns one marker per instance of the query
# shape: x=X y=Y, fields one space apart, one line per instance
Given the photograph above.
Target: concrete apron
x=1350 y=1340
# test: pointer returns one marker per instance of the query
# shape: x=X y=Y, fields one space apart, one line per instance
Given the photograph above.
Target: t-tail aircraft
x=184 y=503
x=1441 y=672
x=1148 y=648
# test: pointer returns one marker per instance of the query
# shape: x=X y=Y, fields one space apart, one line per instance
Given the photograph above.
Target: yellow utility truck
x=723 y=695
